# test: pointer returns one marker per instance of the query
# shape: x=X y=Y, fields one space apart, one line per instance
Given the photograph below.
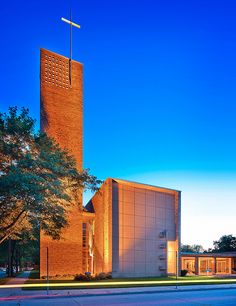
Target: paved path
x=181 y=297
x=18 y=280
x=18 y=294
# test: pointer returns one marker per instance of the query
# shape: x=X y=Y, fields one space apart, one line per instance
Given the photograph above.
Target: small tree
x=39 y=182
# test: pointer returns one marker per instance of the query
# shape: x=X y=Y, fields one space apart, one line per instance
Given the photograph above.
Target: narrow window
x=84 y=234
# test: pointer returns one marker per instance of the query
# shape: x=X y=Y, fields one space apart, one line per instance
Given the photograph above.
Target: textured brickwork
x=61 y=103
x=61 y=118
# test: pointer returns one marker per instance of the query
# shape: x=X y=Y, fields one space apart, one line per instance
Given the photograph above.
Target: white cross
x=71 y=25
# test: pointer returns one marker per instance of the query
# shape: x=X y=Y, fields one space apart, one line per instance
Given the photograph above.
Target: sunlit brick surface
x=101 y=203
x=61 y=118
x=61 y=107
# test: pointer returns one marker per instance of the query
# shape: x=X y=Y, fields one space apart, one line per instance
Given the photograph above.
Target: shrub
x=184 y=272
x=103 y=276
x=86 y=277
x=109 y=275
x=83 y=277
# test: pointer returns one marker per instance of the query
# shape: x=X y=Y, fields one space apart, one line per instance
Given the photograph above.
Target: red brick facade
x=61 y=118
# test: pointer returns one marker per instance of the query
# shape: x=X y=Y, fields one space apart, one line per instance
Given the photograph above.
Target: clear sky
x=159 y=93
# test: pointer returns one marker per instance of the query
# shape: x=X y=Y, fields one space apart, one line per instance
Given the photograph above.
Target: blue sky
x=159 y=93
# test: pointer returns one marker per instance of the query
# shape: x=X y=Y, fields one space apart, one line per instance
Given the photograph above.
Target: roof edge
x=142 y=184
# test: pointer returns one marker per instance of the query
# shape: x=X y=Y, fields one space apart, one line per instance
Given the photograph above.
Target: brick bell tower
x=61 y=117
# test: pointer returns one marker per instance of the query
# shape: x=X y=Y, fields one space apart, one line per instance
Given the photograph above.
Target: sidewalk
x=11 y=294
x=18 y=280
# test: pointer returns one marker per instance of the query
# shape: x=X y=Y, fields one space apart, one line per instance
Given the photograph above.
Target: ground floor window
x=201 y=265
x=87 y=243
x=206 y=266
x=189 y=264
x=223 y=265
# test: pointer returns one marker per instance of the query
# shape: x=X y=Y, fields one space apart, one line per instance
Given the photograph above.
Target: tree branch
x=12 y=227
x=13 y=222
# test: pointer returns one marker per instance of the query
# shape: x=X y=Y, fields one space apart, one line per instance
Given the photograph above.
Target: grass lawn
x=34 y=274
x=124 y=282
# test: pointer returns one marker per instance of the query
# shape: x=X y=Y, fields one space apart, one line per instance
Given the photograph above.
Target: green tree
x=39 y=182
x=19 y=254
x=195 y=248
x=226 y=243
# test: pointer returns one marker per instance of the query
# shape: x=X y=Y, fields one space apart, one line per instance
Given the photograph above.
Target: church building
x=128 y=229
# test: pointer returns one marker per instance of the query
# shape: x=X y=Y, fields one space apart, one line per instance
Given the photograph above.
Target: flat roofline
x=143 y=184
x=152 y=187
x=57 y=54
x=220 y=254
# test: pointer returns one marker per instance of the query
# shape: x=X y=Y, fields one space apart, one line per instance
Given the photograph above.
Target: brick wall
x=61 y=117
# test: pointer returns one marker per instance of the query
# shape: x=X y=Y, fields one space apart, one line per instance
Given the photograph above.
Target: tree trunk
x=10 y=272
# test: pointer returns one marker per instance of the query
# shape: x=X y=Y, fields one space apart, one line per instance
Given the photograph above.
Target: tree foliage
x=20 y=254
x=226 y=243
x=195 y=248
x=39 y=182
